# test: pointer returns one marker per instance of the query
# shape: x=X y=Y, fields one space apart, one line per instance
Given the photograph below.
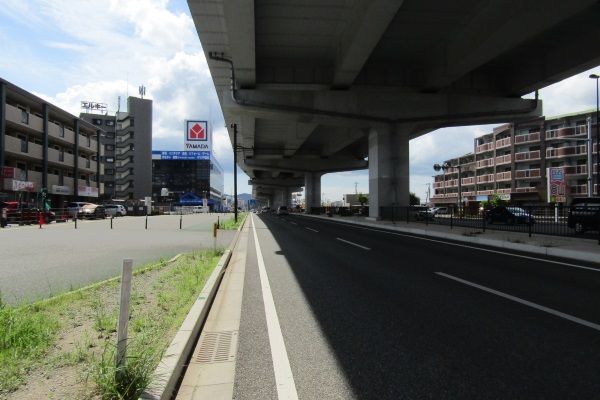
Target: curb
x=169 y=371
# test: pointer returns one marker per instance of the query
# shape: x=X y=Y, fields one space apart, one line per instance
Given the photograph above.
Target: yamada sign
x=198 y=136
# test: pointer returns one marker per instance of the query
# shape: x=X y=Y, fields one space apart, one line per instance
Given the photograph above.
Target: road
x=369 y=314
x=36 y=263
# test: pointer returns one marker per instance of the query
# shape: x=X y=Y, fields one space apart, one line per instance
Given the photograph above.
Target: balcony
x=504 y=176
x=571 y=131
x=504 y=191
x=438 y=185
x=576 y=170
x=484 y=147
x=527 y=138
x=484 y=192
x=527 y=173
x=527 y=190
x=485 y=178
x=566 y=151
x=468 y=181
x=579 y=189
x=503 y=143
x=506 y=159
x=488 y=162
x=526 y=156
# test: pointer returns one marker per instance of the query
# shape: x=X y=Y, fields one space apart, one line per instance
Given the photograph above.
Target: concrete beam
x=499 y=27
x=364 y=109
x=303 y=165
x=368 y=23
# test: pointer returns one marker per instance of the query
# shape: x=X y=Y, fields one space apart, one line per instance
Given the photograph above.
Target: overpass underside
x=330 y=86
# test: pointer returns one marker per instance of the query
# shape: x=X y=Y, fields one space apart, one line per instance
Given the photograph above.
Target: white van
x=198 y=209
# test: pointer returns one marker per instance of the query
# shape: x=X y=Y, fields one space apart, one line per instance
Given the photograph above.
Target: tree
x=362 y=199
x=414 y=199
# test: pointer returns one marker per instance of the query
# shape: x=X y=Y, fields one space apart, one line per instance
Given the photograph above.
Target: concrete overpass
x=313 y=87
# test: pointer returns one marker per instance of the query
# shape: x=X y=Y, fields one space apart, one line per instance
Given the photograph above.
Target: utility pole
x=355 y=187
x=235 y=200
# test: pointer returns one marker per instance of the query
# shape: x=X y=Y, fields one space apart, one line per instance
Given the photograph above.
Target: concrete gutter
x=167 y=375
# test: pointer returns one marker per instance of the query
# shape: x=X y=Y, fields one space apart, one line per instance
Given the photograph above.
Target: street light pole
x=595 y=76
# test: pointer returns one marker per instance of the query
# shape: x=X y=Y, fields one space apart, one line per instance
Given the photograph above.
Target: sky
x=67 y=51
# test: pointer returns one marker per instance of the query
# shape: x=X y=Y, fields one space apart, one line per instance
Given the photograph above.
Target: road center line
x=286 y=388
x=314 y=230
x=293 y=223
x=525 y=302
x=353 y=244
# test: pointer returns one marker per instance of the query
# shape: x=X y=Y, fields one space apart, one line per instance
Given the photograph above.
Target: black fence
x=538 y=220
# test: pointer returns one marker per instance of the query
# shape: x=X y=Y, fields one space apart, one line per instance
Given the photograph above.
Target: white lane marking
x=293 y=223
x=525 y=302
x=353 y=244
x=314 y=230
x=476 y=248
x=286 y=388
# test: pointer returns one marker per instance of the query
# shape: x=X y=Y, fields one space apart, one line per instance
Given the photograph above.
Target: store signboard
x=87 y=191
x=557 y=185
x=56 y=189
x=22 y=186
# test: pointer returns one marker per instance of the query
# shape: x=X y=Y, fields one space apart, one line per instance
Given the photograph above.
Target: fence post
x=180 y=219
x=123 y=328
x=146 y=221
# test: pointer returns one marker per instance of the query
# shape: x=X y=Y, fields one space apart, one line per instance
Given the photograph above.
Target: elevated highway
x=313 y=87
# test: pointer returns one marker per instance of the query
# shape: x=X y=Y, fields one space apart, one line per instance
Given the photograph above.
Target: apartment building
x=44 y=148
x=512 y=162
x=127 y=148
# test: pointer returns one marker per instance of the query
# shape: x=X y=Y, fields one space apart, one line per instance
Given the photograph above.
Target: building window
x=110 y=122
x=24 y=116
x=37 y=168
x=97 y=121
x=109 y=171
x=88 y=141
x=110 y=159
x=23 y=143
x=110 y=135
x=109 y=147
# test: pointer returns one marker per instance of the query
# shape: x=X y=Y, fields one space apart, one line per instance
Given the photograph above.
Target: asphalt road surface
x=368 y=314
x=36 y=263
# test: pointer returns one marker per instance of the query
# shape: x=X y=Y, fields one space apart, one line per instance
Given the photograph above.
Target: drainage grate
x=216 y=347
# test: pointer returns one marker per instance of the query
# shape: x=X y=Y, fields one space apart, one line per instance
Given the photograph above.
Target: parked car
x=440 y=210
x=92 y=211
x=115 y=210
x=421 y=213
x=25 y=213
x=266 y=210
x=74 y=208
x=198 y=209
x=508 y=215
x=584 y=214
x=283 y=210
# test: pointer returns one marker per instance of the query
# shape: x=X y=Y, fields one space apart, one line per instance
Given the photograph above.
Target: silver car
x=115 y=210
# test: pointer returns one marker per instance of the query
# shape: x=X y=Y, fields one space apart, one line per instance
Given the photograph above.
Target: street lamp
x=445 y=166
x=595 y=76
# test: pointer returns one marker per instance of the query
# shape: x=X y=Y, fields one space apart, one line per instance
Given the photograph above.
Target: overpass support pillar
x=388 y=168
x=312 y=185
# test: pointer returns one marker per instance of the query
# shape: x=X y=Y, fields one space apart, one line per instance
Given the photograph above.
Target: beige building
x=45 y=147
x=513 y=160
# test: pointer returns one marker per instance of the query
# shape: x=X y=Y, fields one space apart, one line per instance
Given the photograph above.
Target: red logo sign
x=197 y=132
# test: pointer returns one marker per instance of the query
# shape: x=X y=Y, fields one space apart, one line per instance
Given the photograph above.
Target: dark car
x=91 y=211
x=283 y=210
x=584 y=214
x=508 y=215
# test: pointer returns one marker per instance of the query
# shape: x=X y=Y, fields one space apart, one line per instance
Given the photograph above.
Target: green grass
x=28 y=332
x=230 y=224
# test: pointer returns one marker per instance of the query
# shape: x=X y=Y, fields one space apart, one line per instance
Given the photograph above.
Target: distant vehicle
x=115 y=210
x=74 y=208
x=508 y=215
x=283 y=210
x=584 y=214
x=421 y=213
x=92 y=211
x=198 y=209
x=440 y=210
x=266 y=210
